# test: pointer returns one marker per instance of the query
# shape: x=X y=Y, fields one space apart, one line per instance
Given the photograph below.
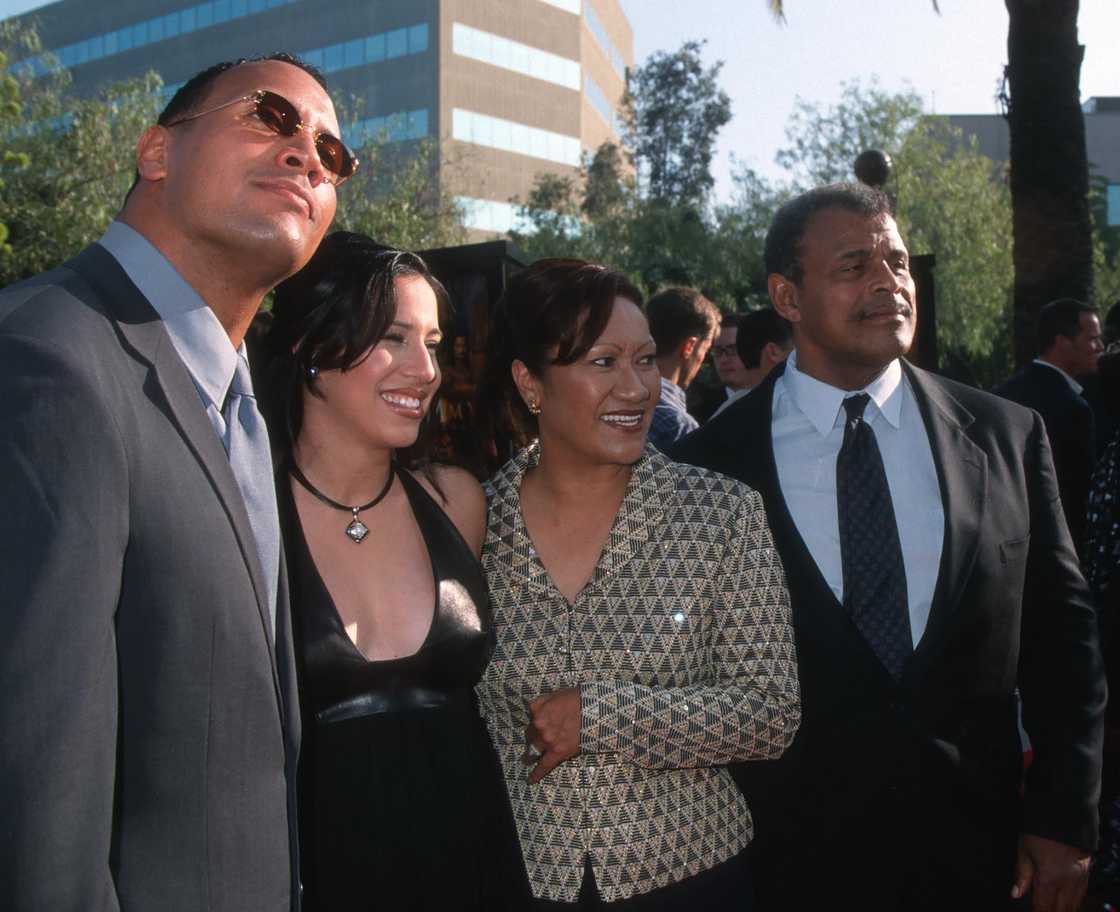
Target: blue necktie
x=870 y=552
x=250 y=458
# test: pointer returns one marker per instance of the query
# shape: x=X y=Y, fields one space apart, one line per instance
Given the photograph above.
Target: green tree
x=823 y=146
x=68 y=164
x=675 y=109
x=950 y=201
x=10 y=111
x=1049 y=168
x=396 y=199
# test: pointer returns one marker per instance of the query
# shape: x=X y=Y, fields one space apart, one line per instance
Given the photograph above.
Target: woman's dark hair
x=327 y=317
x=550 y=313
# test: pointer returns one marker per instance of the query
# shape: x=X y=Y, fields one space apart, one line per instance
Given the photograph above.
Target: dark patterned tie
x=870 y=552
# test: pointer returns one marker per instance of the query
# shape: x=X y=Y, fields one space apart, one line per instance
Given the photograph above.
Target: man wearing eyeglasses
x=147 y=697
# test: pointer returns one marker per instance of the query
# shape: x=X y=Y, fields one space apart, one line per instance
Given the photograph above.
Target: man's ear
x=527 y=384
x=151 y=154
x=773 y=353
x=687 y=347
x=783 y=295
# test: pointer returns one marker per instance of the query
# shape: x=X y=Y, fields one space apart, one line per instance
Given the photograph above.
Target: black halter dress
x=402 y=802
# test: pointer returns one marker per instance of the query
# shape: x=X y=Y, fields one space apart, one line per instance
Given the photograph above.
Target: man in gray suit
x=147 y=697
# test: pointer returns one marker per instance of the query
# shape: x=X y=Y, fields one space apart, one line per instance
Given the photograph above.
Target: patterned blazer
x=682 y=649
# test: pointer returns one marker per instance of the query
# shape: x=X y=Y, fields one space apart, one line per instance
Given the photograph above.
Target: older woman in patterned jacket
x=642 y=617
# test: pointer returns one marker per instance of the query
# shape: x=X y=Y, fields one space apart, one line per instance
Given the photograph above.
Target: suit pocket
x=1014 y=551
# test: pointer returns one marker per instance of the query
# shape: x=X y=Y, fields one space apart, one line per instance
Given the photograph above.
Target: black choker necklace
x=357 y=530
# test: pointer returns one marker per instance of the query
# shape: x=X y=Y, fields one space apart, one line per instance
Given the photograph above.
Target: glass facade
x=495 y=133
x=490 y=215
x=572 y=6
x=599 y=31
x=511 y=55
x=371 y=49
x=403 y=125
x=599 y=102
x=1113 y=203
x=150 y=31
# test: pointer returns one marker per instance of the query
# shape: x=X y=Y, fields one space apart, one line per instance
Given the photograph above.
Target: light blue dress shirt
x=195 y=331
x=808 y=429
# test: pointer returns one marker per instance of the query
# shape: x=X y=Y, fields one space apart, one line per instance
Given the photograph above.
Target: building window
x=373 y=49
x=495 y=133
x=512 y=55
x=491 y=215
x=572 y=6
x=600 y=32
x=599 y=102
x=151 y=31
x=398 y=127
x=1112 y=200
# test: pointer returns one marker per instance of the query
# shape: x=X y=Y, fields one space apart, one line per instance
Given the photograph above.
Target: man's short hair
x=783 y=240
x=728 y=320
x=756 y=330
x=675 y=314
x=1060 y=318
x=191 y=94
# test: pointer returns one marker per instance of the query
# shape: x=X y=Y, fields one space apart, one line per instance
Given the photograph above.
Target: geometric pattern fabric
x=682 y=649
x=870 y=551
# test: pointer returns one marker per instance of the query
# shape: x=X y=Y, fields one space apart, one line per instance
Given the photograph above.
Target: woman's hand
x=552 y=735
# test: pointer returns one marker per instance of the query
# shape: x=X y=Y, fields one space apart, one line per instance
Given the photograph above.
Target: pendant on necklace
x=357 y=530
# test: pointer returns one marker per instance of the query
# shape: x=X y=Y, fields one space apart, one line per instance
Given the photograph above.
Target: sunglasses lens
x=280 y=116
x=334 y=155
x=277 y=114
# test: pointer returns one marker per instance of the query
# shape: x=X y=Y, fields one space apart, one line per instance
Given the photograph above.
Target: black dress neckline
x=414 y=492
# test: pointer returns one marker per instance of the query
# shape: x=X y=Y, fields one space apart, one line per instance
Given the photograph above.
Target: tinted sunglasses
x=281 y=117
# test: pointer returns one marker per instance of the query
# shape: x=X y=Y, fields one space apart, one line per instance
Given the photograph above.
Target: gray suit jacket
x=149 y=727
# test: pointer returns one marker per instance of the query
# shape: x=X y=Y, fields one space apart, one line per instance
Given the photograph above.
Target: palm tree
x=1051 y=222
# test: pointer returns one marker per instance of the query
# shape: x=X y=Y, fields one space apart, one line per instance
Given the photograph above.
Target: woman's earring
x=312 y=373
x=533 y=406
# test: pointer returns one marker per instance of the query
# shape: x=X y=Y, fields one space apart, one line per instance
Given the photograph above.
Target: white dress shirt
x=808 y=429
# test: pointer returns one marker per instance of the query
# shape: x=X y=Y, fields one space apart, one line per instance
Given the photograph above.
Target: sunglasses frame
x=335 y=179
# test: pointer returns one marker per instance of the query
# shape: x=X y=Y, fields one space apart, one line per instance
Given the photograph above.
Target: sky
x=954 y=61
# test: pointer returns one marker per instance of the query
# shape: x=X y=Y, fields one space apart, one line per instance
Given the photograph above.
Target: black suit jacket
x=149 y=722
x=1010 y=609
x=1070 y=426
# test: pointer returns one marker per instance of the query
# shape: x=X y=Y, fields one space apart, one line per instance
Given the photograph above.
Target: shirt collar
x=821 y=402
x=195 y=331
x=1074 y=385
x=672 y=394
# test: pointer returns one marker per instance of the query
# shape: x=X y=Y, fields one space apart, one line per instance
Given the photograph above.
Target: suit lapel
x=962 y=474
x=169 y=381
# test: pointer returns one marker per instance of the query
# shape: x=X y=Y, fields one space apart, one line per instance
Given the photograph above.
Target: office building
x=510 y=88
x=1102 y=143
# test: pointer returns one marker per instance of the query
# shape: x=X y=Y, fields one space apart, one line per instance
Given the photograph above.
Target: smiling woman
x=641 y=614
x=402 y=805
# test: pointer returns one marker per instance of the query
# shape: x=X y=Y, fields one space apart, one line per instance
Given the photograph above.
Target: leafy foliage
x=675 y=109
x=67 y=164
x=397 y=199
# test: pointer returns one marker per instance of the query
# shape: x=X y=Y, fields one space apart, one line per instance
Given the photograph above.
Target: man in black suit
x=1069 y=342
x=147 y=694
x=930 y=573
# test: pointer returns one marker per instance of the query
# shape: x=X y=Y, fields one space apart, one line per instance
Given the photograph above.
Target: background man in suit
x=683 y=323
x=1069 y=342
x=763 y=341
x=930 y=572
x=146 y=675
x=729 y=371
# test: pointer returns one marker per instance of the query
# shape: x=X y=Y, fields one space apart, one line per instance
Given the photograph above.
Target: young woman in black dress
x=402 y=805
